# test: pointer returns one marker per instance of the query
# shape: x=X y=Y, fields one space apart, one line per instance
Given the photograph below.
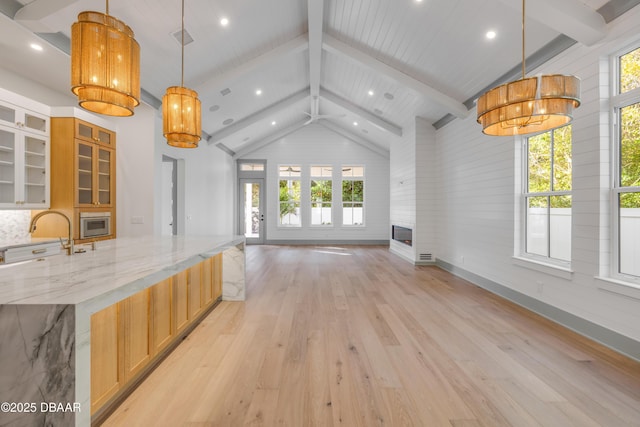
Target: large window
x=547 y=195
x=289 y=196
x=321 y=193
x=626 y=188
x=353 y=195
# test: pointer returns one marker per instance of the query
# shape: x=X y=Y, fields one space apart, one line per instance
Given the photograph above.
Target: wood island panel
x=106 y=372
x=195 y=291
x=181 y=300
x=136 y=326
x=163 y=329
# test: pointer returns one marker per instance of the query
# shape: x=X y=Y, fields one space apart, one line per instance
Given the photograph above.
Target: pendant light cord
x=182 y=43
x=523 y=59
x=107 y=7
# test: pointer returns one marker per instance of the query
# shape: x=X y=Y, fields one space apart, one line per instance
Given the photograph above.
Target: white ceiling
x=419 y=58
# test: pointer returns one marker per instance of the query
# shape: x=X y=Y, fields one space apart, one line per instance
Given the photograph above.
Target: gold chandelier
x=528 y=105
x=105 y=64
x=181 y=111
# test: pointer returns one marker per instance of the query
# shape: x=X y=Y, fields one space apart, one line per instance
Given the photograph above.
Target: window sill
x=544 y=267
x=619 y=287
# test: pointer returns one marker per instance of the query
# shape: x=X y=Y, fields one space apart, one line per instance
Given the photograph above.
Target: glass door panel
x=85 y=174
x=35 y=183
x=7 y=166
x=251 y=210
x=104 y=176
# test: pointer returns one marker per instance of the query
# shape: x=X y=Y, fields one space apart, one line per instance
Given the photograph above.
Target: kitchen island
x=47 y=306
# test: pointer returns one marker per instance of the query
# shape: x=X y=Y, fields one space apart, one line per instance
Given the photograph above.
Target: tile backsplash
x=14 y=225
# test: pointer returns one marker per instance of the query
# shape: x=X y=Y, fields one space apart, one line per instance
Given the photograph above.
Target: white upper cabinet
x=24 y=153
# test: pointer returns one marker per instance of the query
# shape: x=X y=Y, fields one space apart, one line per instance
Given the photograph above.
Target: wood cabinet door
x=181 y=300
x=136 y=327
x=207 y=282
x=217 y=276
x=195 y=291
x=106 y=373
x=162 y=316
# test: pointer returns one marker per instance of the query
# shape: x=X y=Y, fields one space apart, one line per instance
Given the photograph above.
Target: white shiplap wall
x=316 y=145
x=402 y=201
x=475 y=201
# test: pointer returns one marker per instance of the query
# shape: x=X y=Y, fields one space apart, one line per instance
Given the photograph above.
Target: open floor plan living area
x=319 y=213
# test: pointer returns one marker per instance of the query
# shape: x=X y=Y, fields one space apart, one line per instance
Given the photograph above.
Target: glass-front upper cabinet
x=20 y=118
x=24 y=152
x=92 y=133
x=95 y=175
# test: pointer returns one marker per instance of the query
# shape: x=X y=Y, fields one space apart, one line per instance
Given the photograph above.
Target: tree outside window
x=548 y=195
x=353 y=195
x=289 y=196
x=321 y=195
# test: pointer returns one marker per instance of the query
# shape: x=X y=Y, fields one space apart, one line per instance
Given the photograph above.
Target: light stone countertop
x=115 y=270
x=27 y=241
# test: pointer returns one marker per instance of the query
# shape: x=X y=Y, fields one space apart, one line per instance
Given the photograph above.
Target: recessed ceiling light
x=418 y=1
x=227 y=122
x=214 y=108
x=389 y=96
x=365 y=131
x=355 y=123
x=224 y=22
x=371 y=93
x=273 y=123
x=36 y=46
x=258 y=92
x=377 y=111
x=491 y=35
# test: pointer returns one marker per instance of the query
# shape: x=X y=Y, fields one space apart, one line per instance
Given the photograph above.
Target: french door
x=251 y=209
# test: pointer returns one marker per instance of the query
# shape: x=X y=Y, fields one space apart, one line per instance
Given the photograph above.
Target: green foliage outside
x=630 y=131
x=545 y=175
x=352 y=191
x=321 y=192
x=289 y=197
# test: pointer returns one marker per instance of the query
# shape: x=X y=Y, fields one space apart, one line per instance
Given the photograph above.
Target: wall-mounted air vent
x=178 y=36
x=426 y=257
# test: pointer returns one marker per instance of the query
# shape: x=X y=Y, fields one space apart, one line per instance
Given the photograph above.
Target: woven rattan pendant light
x=181 y=116
x=529 y=105
x=105 y=64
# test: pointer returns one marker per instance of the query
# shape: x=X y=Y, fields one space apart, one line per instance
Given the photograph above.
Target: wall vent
x=426 y=257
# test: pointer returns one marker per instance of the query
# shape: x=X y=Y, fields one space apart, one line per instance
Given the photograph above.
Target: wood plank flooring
x=354 y=336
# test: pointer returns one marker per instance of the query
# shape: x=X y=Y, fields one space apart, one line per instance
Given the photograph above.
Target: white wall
x=476 y=209
x=316 y=145
x=207 y=185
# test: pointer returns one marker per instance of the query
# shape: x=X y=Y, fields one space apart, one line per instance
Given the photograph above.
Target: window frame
x=331 y=203
x=525 y=195
x=289 y=178
x=364 y=188
x=618 y=101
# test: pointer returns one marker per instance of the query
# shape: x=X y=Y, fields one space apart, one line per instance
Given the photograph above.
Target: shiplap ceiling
x=313 y=58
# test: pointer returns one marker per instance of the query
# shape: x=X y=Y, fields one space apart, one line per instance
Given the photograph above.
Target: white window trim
x=362 y=178
x=545 y=264
x=333 y=192
x=291 y=178
x=617 y=102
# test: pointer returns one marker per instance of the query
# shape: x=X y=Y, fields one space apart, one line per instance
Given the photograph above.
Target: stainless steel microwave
x=95 y=224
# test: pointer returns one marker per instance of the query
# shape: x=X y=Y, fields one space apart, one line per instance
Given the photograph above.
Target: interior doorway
x=169 y=197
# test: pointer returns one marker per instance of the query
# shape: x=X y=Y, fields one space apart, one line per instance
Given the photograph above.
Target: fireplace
x=402 y=234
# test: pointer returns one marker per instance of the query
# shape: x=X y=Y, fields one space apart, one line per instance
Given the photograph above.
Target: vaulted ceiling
x=363 y=68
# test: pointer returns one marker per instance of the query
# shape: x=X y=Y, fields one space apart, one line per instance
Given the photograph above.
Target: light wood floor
x=355 y=336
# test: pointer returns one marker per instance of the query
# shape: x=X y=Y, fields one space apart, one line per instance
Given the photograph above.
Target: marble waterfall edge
x=37 y=365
